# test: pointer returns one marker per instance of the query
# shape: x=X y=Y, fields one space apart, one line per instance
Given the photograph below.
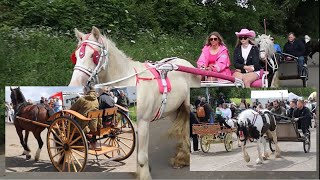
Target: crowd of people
x=246 y=58
x=221 y=110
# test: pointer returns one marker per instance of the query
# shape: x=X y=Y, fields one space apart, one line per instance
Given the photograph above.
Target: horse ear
x=78 y=34
x=248 y=121
x=18 y=87
x=96 y=32
x=11 y=88
x=259 y=36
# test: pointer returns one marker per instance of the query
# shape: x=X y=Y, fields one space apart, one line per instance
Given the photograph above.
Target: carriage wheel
x=307 y=144
x=272 y=145
x=67 y=145
x=121 y=137
x=228 y=143
x=205 y=144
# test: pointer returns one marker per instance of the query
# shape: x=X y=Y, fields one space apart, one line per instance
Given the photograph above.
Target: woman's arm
x=202 y=61
x=222 y=62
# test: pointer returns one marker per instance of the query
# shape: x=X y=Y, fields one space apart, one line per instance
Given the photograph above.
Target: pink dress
x=219 y=62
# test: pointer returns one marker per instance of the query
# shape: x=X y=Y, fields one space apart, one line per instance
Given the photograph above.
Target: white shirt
x=226 y=113
x=245 y=52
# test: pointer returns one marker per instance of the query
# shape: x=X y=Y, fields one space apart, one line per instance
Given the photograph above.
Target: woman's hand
x=238 y=70
x=248 y=68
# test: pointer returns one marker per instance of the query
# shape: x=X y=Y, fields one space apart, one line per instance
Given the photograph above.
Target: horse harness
x=99 y=59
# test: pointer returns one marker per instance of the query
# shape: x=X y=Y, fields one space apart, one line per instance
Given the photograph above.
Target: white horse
x=112 y=65
x=252 y=124
x=267 y=56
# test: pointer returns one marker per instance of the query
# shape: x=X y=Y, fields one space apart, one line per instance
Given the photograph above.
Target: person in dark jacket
x=303 y=117
x=296 y=48
x=246 y=58
x=194 y=120
x=207 y=109
x=197 y=102
x=123 y=101
x=106 y=101
x=292 y=112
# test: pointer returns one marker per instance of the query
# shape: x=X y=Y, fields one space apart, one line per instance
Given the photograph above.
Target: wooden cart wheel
x=205 y=143
x=67 y=145
x=228 y=143
x=271 y=145
x=121 y=136
x=306 y=144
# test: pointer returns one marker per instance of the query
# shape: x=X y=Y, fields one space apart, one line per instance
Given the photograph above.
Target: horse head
x=265 y=46
x=16 y=96
x=89 y=57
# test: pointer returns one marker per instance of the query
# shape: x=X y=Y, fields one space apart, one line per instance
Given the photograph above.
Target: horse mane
x=265 y=43
x=111 y=46
x=19 y=97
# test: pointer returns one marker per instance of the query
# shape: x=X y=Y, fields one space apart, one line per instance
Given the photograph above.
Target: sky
x=35 y=92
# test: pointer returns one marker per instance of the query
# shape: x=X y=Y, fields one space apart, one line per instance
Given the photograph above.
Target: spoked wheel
x=228 y=143
x=272 y=145
x=67 y=145
x=122 y=136
x=304 y=77
x=306 y=144
x=205 y=143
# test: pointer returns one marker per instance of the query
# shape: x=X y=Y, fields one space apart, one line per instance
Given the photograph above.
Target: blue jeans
x=123 y=119
x=300 y=63
x=211 y=118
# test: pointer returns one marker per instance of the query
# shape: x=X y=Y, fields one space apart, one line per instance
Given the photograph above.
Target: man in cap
x=106 y=101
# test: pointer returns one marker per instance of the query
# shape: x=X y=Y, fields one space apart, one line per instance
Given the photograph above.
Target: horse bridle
x=102 y=61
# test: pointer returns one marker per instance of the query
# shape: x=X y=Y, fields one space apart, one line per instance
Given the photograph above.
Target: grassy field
x=133 y=113
x=238 y=100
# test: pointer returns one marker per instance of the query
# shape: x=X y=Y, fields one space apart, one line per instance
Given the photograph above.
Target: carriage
x=288 y=69
x=68 y=145
x=287 y=131
x=213 y=134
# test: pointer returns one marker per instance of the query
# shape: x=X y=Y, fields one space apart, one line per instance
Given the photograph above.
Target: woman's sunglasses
x=215 y=39
x=245 y=38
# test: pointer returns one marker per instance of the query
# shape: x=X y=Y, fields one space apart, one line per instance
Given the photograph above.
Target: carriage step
x=104 y=149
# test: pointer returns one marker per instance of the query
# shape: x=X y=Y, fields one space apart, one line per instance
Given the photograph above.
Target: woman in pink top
x=215 y=56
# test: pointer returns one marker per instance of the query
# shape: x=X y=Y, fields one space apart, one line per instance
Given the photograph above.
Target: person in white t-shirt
x=226 y=111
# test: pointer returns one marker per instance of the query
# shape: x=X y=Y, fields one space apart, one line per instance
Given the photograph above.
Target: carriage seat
x=262 y=81
x=99 y=114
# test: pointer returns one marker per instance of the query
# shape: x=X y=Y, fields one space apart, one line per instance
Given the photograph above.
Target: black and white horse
x=311 y=46
x=254 y=125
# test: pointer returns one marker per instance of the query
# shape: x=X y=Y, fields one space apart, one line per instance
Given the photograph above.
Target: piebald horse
x=255 y=125
x=98 y=55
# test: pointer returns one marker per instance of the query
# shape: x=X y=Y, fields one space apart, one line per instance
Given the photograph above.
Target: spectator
x=243 y=104
x=221 y=99
x=276 y=47
x=207 y=111
x=194 y=120
x=292 y=111
x=259 y=107
x=226 y=112
x=42 y=100
x=233 y=109
x=123 y=101
x=197 y=102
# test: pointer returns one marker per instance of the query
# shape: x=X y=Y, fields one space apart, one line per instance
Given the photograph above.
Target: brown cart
x=67 y=144
x=287 y=130
x=210 y=134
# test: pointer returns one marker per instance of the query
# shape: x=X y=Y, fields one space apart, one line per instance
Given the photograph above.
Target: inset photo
x=234 y=129
x=70 y=129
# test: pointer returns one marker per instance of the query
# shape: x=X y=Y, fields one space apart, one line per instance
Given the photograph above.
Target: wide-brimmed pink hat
x=246 y=32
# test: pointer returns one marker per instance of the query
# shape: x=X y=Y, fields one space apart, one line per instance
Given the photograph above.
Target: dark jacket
x=208 y=111
x=123 y=101
x=193 y=120
x=295 y=48
x=292 y=112
x=253 y=59
x=280 y=111
x=105 y=101
x=304 y=116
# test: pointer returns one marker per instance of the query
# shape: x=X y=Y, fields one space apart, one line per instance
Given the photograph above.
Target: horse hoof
x=247 y=159
x=28 y=157
x=258 y=161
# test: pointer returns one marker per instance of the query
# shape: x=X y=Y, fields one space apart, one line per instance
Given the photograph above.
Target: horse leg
x=143 y=144
x=265 y=154
x=26 y=136
x=37 y=135
x=245 y=154
x=260 y=159
x=25 y=147
x=275 y=140
x=180 y=130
